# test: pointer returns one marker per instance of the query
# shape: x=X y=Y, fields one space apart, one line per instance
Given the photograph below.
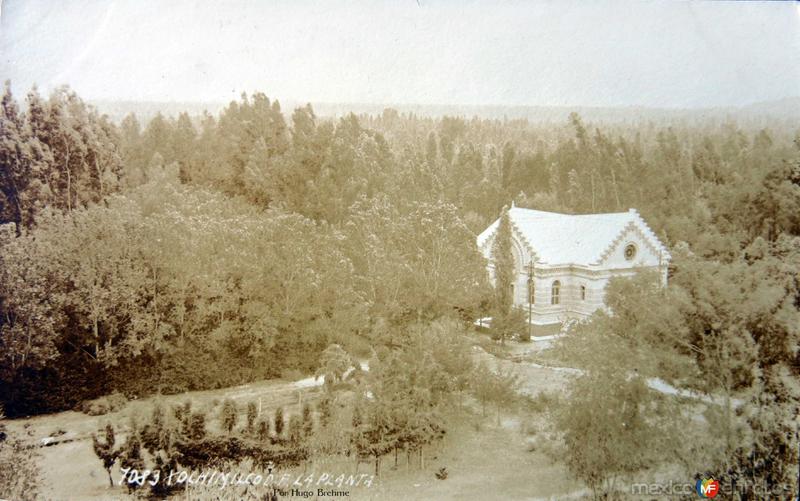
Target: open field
x=69 y=465
x=501 y=453
x=482 y=460
x=480 y=455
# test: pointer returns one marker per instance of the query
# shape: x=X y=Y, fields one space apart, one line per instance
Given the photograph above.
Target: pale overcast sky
x=575 y=53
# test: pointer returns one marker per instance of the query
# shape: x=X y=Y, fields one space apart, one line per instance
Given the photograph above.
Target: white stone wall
x=594 y=278
x=570 y=304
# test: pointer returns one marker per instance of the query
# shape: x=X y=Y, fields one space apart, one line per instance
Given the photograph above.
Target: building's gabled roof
x=564 y=239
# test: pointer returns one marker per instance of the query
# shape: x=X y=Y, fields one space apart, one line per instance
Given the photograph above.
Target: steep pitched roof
x=582 y=239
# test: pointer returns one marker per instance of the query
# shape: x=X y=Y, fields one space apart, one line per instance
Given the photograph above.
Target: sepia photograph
x=373 y=250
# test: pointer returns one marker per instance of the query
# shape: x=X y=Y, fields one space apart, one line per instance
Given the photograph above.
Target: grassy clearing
x=480 y=456
x=79 y=426
x=69 y=464
x=483 y=460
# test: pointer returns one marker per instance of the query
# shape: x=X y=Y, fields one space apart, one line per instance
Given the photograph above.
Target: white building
x=563 y=262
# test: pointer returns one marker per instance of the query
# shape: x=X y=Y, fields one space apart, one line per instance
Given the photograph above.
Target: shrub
x=262 y=430
x=197 y=426
x=182 y=412
x=513 y=323
x=542 y=402
x=153 y=433
x=325 y=411
x=105 y=450
x=103 y=405
x=308 y=421
x=229 y=415
x=163 y=489
x=295 y=430
x=609 y=428
x=252 y=413
x=19 y=474
x=279 y=423
x=63 y=385
x=131 y=457
x=217 y=450
x=183 y=416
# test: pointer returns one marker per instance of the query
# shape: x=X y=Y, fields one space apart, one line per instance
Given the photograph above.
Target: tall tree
x=106 y=450
x=504 y=274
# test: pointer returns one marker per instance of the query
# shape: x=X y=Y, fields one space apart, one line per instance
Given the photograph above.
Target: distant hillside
x=145 y=110
x=756 y=114
x=784 y=108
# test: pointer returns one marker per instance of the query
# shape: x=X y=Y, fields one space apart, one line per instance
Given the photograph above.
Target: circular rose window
x=630 y=252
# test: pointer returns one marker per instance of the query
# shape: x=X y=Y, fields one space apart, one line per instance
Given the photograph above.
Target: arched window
x=583 y=293
x=556 y=293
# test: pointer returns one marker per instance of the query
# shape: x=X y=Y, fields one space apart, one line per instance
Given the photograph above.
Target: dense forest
x=206 y=251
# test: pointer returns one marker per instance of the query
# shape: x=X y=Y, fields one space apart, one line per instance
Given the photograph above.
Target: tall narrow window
x=556 y=293
x=583 y=293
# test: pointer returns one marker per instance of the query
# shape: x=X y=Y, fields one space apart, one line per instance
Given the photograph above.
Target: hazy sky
x=664 y=53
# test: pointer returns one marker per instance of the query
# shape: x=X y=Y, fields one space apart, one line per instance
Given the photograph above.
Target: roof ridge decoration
x=521 y=237
x=607 y=251
x=515 y=232
x=660 y=247
x=551 y=238
x=639 y=225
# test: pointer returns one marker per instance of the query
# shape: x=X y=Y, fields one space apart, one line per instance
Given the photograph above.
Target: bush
x=182 y=412
x=197 y=426
x=509 y=325
x=295 y=430
x=152 y=433
x=131 y=457
x=217 y=450
x=229 y=415
x=106 y=451
x=308 y=421
x=252 y=413
x=19 y=473
x=325 y=411
x=103 y=405
x=279 y=422
x=262 y=430
x=63 y=385
x=542 y=402
x=611 y=426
